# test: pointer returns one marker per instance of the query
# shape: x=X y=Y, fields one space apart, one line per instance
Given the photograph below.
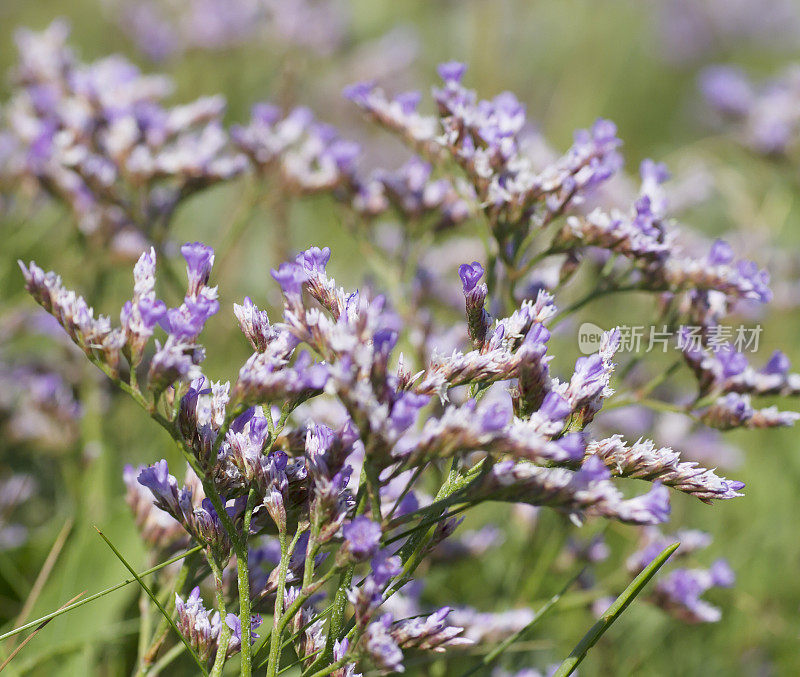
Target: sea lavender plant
x=98 y=137
x=764 y=117
x=267 y=484
x=163 y=30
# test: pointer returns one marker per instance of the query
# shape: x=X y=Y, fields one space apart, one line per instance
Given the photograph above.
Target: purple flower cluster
x=484 y=138
x=764 y=117
x=162 y=30
x=203 y=628
x=311 y=466
x=176 y=358
x=309 y=157
x=98 y=137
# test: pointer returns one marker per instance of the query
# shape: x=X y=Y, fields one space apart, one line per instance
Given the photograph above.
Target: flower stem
x=243 y=578
x=277 y=628
x=614 y=611
x=225 y=631
x=333 y=666
x=162 y=631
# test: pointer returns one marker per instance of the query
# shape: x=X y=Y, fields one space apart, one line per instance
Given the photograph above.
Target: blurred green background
x=570 y=61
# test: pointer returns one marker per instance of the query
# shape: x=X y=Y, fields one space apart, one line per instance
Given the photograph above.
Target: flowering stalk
x=162 y=631
x=479 y=392
x=287 y=549
x=225 y=632
x=243 y=582
x=614 y=611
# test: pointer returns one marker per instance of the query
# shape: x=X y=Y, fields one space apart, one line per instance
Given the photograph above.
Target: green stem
x=412 y=552
x=277 y=629
x=98 y=595
x=331 y=668
x=162 y=631
x=243 y=579
x=145 y=624
x=166 y=659
x=152 y=596
x=225 y=631
x=311 y=551
x=337 y=614
x=497 y=651
x=373 y=485
x=614 y=611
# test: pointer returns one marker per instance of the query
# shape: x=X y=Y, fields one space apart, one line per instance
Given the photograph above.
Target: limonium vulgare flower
x=327 y=524
x=763 y=116
x=98 y=137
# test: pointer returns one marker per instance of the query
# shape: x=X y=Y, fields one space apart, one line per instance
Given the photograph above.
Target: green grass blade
x=152 y=596
x=614 y=611
x=98 y=595
x=495 y=653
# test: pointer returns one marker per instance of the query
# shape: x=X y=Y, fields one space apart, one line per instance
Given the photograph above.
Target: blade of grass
x=612 y=613
x=97 y=595
x=33 y=634
x=152 y=596
x=165 y=660
x=495 y=653
x=112 y=633
x=45 y=572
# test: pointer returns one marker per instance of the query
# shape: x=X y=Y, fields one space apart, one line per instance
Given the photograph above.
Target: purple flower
x=721 y=574
x=573 y=445
x=721 y=253
x=592 y=470
x=405 y=410
x=164 y=488
x=152 y=311
x=381 y=646
x=185 y=323
x=732 y=362
x=233 y=622
x=314 y=259
x=199 y=261
x=207 y=528
x=494 y=417
x=727 y=89
x=362 y=538
x=359 y=92
x=555 y=407
x=651 y=508
x=408 y=101
x=680 y=592
x=452 y=71
x=757 y=280
x=157 y=478
x=656 y=172
x=778 y=363
x=265 y=113
x=255 y=325
x=470 y=274
x=291 y=277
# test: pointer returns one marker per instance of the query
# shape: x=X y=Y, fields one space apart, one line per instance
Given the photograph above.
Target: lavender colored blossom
x=202 y=628
x=313 y=465
x=735 y=411
x=679 y=592
x=644 y=460
x=762 y=117
x=93 y=134
x=587 y=491
x=156 y=526
x=362 y=537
